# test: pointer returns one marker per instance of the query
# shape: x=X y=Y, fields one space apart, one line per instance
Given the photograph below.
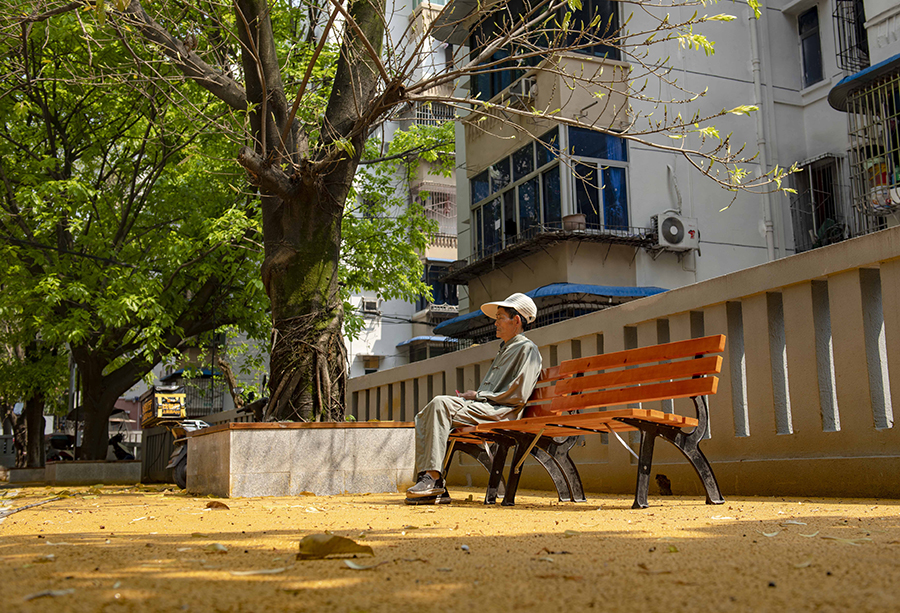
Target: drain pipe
x=761 y=142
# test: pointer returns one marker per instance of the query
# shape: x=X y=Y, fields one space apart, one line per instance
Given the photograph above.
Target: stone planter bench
x=287 y=459
x=26 y=475
x=90 y=472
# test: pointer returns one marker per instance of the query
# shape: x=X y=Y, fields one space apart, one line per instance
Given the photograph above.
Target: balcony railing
x=444 y=240
x=538 y=237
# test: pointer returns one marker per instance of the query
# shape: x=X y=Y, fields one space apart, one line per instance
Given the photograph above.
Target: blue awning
x=464 y=322
x=433 y=339
x=837 y=97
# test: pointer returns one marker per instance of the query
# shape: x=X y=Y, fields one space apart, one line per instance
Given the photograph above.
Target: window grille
x=850 y=38
x=874 y=117
x=440 y=206
x=433 y=113
x=818 y=210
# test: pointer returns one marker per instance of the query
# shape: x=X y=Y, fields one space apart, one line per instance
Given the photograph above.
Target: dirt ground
x=155 y=549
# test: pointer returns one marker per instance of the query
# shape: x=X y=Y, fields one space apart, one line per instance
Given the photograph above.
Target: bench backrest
x=682 y=369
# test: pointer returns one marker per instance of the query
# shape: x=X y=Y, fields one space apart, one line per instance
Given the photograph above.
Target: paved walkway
x=151 y=549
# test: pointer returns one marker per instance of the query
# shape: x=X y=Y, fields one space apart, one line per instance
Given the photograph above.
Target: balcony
x=540 y=237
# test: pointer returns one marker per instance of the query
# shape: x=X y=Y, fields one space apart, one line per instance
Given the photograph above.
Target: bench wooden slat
x=643 y=374
x=599 y=420
x=644 y=355
x=644 y=393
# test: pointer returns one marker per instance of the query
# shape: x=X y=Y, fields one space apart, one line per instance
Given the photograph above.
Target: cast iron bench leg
x=645 y=463
x=490 y=496
x=563 y=489
x=560 y=454
x=481 y=456
x=687 y=444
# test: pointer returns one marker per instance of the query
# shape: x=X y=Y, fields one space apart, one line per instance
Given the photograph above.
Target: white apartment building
x=645 y=220
x=398 y=332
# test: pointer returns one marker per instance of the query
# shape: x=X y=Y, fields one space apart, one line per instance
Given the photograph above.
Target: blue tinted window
x=523 y=161
x=549 y=150
x=552 y=199
x=479 y=239
x=589 y=143
x=480 y=187
x=529 y=209
x=499 y=175
x=615 y=198
x=510 y=228
x=587 y=194
x=491 y=226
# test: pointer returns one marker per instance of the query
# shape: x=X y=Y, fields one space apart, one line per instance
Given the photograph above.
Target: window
x=441 y=293
x=580 y=37
x=810 y=46
x=525 y=193
x=874 y=118
x=817 y=211
x=850 y=38
x=432 y=113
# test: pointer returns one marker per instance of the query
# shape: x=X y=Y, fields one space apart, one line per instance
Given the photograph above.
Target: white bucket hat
x=520 y=302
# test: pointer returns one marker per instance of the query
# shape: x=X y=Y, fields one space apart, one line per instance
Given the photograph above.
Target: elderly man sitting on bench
x=502 y=396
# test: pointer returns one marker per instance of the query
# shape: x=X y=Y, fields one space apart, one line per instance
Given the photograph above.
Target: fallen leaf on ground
x=215 y=504
x=805 y=564
x=809 y=536
x=793 y=522
x=558 y=576
x=199 y=535
x=50 y=593
x=355 y=566
x=553 y=553
x=847 y=541
x=571 y=533
x=265 y=571
x=319 y=546
x=646 y=569
x=770 y=534
x=216 y=548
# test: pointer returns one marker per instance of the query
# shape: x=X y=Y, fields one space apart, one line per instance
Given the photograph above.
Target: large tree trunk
x=33 y=416
x=308 y=360
x=98 y=399
x=302 y=213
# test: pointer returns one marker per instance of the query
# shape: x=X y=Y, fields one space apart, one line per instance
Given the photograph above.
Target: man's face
x=506 y=327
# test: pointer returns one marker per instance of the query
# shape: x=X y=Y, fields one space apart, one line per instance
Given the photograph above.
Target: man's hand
x=468 y=395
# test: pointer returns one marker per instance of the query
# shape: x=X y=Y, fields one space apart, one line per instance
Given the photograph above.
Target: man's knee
x=437 y=404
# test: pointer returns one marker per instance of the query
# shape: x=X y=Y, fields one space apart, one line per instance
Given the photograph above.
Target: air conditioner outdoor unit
x=370 y=306
x=676 y=233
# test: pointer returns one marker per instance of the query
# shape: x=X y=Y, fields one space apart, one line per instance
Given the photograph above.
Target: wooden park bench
x=571 y=400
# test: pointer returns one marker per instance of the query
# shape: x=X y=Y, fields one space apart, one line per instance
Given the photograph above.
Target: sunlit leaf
x=318 y=546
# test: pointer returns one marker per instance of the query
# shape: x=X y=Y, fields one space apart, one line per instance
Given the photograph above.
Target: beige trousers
x=440 y=416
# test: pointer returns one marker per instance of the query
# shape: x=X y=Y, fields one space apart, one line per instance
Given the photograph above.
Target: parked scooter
x=118 y=448
x=178 y=459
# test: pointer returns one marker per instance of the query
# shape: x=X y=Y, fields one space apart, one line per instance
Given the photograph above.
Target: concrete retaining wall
x=26 y=475
x=264 y=459
x=86 y=472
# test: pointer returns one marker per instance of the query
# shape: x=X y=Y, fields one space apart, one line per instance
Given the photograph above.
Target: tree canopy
x=297 y=111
